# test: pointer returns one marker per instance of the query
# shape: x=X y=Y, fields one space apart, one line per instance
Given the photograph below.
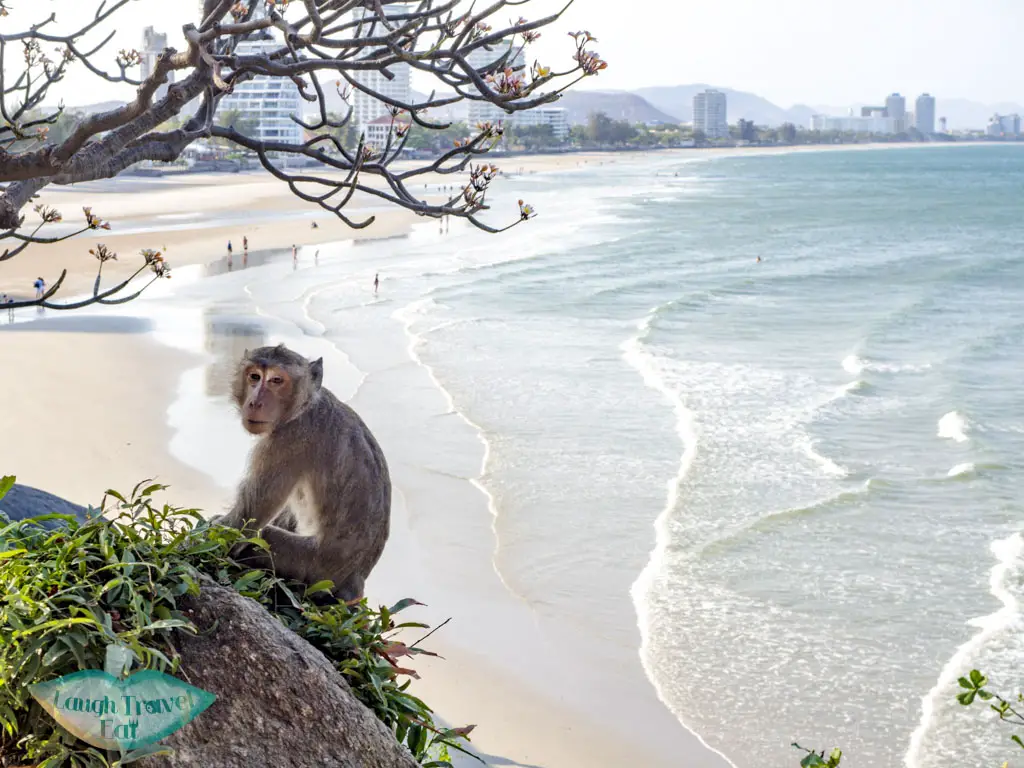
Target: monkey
x=318 y=488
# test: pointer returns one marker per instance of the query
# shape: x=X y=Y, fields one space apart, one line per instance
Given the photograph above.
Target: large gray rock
x=279 y=701
x=25 y=501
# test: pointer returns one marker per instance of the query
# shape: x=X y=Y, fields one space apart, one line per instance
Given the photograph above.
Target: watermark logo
x=121 y=714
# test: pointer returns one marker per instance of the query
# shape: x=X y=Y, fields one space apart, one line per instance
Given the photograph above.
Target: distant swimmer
x=376 y=283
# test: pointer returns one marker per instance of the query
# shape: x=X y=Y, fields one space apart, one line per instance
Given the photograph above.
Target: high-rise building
x=874 y=123
x=153 y=44
x=267 y=102
x=555 y=117
x=367 y=108
x=924 y=114
x=486 y=111
x=710 y=114
x=1004 y=125
x=873 y=111
x=896 y=108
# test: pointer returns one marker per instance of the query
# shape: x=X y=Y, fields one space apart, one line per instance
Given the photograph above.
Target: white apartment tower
x=709 y=114
x=896 y=108
x=153 y=44
x=479 y=111
x=924 y=114
x=270 y=102
x=367 y=108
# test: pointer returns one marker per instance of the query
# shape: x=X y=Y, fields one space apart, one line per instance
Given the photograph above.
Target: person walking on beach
x=229 y=249
x=40 y=286
x=245 y=243
x=376 y=283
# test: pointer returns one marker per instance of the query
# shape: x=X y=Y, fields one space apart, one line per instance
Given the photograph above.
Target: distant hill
x=618 y=105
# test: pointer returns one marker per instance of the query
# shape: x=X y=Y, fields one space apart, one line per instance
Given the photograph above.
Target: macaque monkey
x=318 y=487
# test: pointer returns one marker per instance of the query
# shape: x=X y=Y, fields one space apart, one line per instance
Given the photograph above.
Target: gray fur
x=319 y=456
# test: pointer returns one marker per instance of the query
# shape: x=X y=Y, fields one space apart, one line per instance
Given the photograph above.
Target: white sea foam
x=407 y=316
x=953 y=426
x=651 y=368
x=856 y=365
x=807 y=445
x=962 y=470
x=1008 y=553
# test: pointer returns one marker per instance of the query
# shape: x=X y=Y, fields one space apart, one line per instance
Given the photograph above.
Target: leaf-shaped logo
x=123 y=714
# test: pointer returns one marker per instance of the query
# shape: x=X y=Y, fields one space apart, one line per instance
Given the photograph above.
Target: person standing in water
x=376 y=283
x=229 y=248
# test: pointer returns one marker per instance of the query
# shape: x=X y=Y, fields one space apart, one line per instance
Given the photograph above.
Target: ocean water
x=789 y=486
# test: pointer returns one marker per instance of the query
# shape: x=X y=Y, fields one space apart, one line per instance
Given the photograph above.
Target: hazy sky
x=831 y=52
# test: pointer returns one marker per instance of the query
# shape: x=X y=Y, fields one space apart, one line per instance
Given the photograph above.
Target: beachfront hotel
x=710 y=115
x=485 y=111
x=366 y=108
x=555 y=117
x=924 y=114
x=896 y=108
x=270 y=102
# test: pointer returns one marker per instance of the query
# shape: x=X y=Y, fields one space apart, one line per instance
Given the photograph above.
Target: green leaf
x=321 y=586
x=138 y=754
x=1016 y=739
x=6 y=483
x=12 y=553
x=966 y=698
x=978 y=679
x=249 y=578
x=403 y=604
x=965 y=683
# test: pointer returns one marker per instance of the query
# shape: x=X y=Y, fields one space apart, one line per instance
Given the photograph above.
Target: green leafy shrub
x=818 y=759
x=68 y=593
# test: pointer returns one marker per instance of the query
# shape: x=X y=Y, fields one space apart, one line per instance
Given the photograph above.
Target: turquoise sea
x=828 y=443
x=791 y=487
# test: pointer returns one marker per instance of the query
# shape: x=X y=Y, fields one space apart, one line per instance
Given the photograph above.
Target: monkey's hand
x=252 y=556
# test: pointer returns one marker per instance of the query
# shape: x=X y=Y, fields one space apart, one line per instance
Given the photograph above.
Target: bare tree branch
x=304 y=43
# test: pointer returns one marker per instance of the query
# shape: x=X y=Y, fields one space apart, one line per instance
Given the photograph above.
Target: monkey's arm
x=291 y=556
x=261 y=497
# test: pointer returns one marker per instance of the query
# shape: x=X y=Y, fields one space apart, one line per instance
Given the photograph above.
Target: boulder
x=279 y=701
x=24 y=501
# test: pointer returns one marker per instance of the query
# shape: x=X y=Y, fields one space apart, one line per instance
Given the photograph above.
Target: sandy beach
x=105 y=400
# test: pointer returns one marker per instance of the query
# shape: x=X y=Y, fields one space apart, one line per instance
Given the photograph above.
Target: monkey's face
x=268 y=390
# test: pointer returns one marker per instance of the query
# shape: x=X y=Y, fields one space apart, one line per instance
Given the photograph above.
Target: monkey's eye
x=254 y=377
x=276 y=380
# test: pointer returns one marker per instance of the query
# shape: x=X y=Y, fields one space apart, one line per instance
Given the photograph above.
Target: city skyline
x=793 y=46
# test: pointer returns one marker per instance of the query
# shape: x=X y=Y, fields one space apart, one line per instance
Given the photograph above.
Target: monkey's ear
x=316 y=372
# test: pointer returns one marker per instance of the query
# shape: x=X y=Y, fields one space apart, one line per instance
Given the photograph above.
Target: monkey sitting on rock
x=317 y=488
